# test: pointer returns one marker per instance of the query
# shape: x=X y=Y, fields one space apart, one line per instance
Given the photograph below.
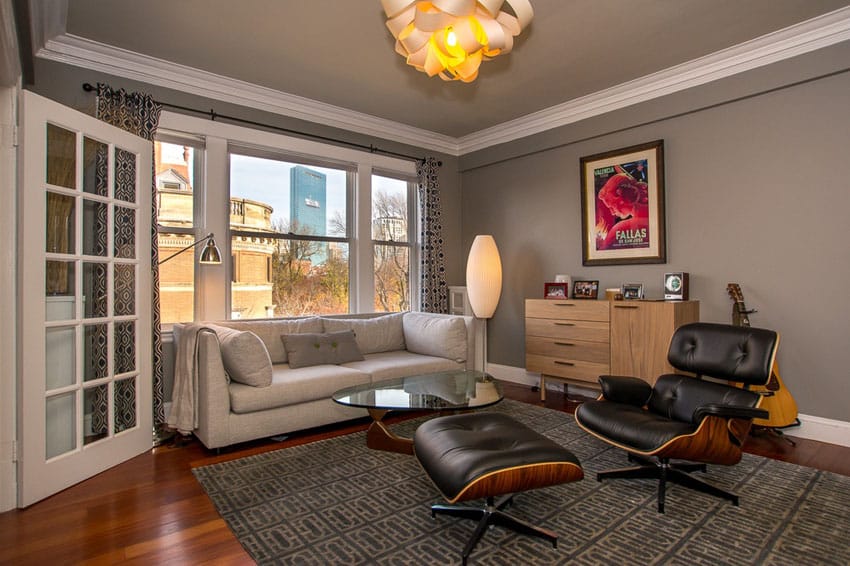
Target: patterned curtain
x=138 y=114
x=435 y=296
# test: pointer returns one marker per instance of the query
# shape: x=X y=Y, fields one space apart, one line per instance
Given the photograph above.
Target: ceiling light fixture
x=450 y=38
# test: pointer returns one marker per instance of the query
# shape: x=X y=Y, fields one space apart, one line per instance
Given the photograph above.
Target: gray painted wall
x=756 y=192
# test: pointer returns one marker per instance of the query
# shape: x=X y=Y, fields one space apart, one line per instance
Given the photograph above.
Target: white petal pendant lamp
x=484 y=276
x=451 y=38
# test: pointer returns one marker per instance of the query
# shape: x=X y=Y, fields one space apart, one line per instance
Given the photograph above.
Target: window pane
x=176 y=279
x=175 y=180
x=389 y=209
x=177 y=175
x=282 y=277
x=269 y=194
x=392 y=278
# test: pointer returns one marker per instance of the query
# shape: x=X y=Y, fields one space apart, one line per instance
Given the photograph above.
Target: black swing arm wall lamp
x=210 y=255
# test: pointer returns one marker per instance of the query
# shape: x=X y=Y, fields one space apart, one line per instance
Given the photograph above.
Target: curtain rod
x=213 y=115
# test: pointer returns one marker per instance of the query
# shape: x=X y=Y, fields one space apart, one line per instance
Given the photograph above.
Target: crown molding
x=816 y=33
x=813 y=34
x=96 y=56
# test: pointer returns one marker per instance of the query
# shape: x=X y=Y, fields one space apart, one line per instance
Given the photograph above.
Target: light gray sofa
x=236 y=403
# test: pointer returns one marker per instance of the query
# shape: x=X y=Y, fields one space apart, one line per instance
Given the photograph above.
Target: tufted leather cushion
x=457 y=451
x=737 y=353
x=678 y=396
x=630 y=427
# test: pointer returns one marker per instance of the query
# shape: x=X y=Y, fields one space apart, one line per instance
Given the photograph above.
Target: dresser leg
x=542 y=387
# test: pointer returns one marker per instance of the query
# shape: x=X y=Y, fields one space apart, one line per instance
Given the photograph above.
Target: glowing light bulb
x=451 y=38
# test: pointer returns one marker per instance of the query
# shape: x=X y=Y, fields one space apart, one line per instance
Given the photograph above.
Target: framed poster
x=622 y=204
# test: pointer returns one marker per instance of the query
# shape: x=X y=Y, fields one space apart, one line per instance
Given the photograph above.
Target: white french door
x=84 y=350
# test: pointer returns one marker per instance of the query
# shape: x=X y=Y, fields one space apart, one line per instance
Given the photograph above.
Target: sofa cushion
x=401 y=363
x=294 y=386
x=245 y=357
x=380 y=334
x=271 y=330
x=312 y=349
x=435 y=335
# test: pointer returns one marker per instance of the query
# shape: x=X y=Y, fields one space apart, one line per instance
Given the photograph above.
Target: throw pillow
x=380 y=334
x=245 y=357
x=270 y=330
x=314 y=349
x=438 y=335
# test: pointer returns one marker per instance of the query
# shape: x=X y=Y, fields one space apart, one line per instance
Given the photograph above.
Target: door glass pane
x=59 y=290
x=95 y=352
x=61 y=156
x=125 y=404
x=60 y=360
x=125 y=233
x=61 y=424
x=95 y=413
x=125 y=175
x=95 y=228
x=125 y=347
x=125 y=290
x=94 y=290
x=392 y=277
x=95 y=167
x=60 y=224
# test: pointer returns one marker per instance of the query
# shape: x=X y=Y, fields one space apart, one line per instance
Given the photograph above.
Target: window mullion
x=362 y=256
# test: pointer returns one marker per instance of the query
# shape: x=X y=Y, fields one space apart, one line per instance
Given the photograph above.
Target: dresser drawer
x=597 y=352
x=568 y=329
x=568 y=310
x=570 y=369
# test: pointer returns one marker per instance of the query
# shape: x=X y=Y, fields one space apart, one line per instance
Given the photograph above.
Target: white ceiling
x=332 y=61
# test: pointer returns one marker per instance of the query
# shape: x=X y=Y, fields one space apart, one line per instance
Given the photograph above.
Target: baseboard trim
x=811 y=427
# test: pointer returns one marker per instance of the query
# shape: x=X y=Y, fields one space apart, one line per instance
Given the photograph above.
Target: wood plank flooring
x=150 y=510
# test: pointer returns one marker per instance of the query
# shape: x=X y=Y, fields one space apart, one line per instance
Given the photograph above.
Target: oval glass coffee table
x=456 y=390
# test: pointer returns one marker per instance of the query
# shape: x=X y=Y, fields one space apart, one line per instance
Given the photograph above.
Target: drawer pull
x=564 y=324
x=560 y=363
x=564 y=305
x=564 y=344
x=625 y=306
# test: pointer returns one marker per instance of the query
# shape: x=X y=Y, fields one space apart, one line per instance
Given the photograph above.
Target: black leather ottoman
x=485 y=455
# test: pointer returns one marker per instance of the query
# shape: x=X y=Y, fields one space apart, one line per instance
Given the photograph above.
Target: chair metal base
x=663 y=470
x=491 y=514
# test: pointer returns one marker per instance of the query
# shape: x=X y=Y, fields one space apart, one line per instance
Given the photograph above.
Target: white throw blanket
x=183 y=415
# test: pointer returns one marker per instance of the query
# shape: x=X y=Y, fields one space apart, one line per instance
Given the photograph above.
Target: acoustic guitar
x=776 y=398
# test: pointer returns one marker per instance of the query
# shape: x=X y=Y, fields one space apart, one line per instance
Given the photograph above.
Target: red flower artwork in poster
x=622 y=206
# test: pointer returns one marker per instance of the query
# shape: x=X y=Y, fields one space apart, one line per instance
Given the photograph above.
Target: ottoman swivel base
x=486 y=455
x=491 y=515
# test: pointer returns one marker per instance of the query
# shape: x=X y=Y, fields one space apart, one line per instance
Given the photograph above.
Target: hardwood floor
x=150 y=510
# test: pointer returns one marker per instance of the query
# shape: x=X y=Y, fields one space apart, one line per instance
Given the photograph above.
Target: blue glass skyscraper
x=308 y=211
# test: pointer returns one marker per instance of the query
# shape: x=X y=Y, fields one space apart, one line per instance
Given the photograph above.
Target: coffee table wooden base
x=379 y=437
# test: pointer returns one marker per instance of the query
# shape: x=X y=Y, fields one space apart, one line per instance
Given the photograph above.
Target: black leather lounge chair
x=683 y=417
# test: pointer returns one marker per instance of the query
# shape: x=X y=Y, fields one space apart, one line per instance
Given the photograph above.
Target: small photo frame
x=632 y=291
x=557 y=290
x=585 y=289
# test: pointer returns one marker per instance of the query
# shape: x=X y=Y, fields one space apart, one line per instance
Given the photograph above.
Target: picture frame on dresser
x=555 y=290
x=622 y=202
x=585 y=289
x=632 y=291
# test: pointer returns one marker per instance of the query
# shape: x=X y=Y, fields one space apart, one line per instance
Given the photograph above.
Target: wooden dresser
x=579 y=340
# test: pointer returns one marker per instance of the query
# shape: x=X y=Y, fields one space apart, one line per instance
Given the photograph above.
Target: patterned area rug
x=337 y=502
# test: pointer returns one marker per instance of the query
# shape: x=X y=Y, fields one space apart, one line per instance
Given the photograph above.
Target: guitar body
x=776 y=399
